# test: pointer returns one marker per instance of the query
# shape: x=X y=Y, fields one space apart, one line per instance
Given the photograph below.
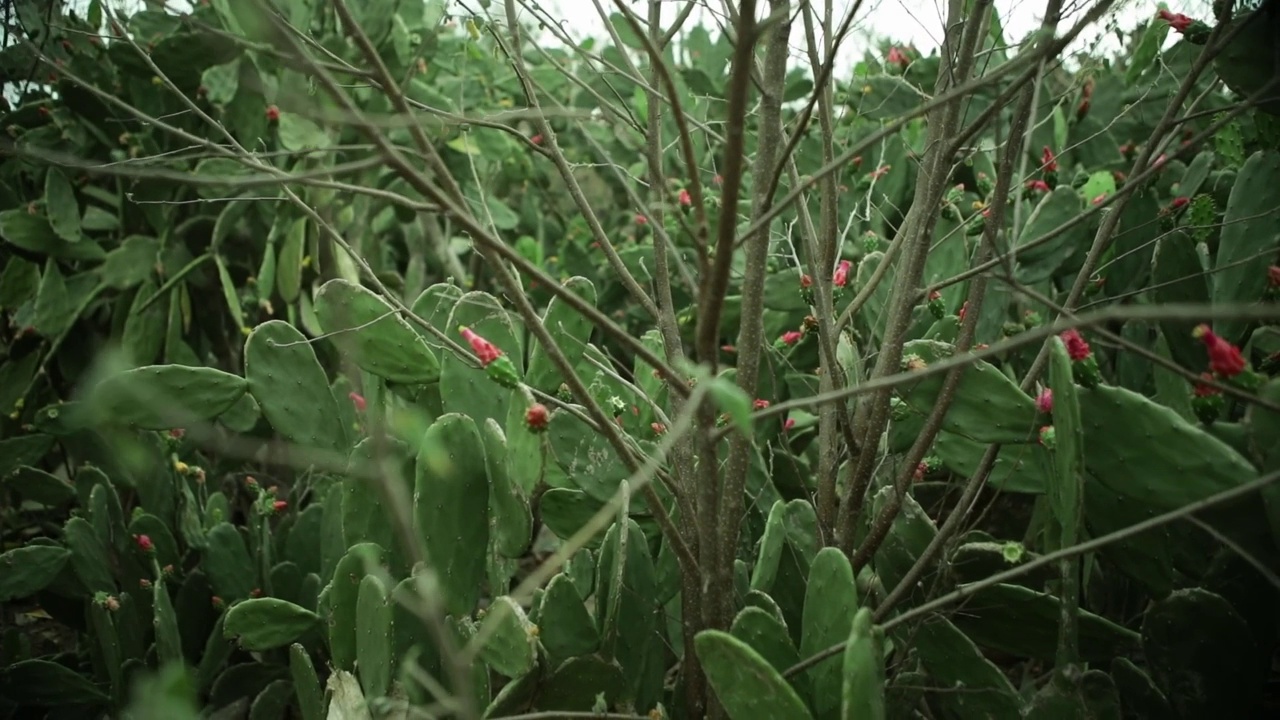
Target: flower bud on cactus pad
x=1048 y=437
x=936 y=306
x=536 y=418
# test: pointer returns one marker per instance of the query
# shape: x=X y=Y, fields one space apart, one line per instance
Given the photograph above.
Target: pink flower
x=536 y=139
x=1077 y=348
x=1224 y=358
x=760 y=404
x=879 y=172
x=805 y=281
x=1044 y=402
x=898 y=57
x=791 y=337
x=1098 y=200
x=1178 y=202
x=641 y=220
x=1177 y=21
x=1048 y=160
x=358 y=400
x=144 y=543
x=841 y=277
x=485 y=350
x=658 y=428
x=790 y=423
x=280 y=506
x=1040 y=185
x=685 y=199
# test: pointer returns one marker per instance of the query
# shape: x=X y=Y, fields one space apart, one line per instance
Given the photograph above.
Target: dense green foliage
x=291 y=431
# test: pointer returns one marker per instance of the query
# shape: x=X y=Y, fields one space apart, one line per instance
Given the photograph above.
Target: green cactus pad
x=511 y=527
x=1249 y=242
x=260 y=624
x=306 y=684
x=434 y=305
x=747 y=686
x=43 y=683
x=909 y=535
x=89 y=557
x=1179 y=276
x=767 y=635
x=469 y=388
x=291 y=387
x=161 y=397
x=1020 y=467
x=374 y=636
x=1066 y=491
x=626 y=611
x=1187 y=465
x=988 y=406
x=365 y=518
x=26 y=571
x=953 y=660
x=569 y=329
x=1138 y=694
x=770 y=552
x=227 y=562
x=451 y=508
x=585 y=457
x=344 y=601
x=166 y=547
x=862 y=695
x=566 y=511
x=831 y=600
x=368 y=329
x=526 y=455
x=510 y=646
x=579 y=683
x=1023 y=622
x=1203 y=656
x=1057 y=208
x=566 y=629
x=168 y=638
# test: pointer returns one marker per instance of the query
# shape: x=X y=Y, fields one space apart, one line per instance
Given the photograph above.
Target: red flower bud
x=485 y=350
x=1044 y=402
x=685 y=199
x=1077 y=348
x=1040 y=185
x=144 y=543
x=358 y=400
x=273 y=113
x=536 y=417
x=280 y=506
x=791 y=337
x=1177 y=21
x=1224 y=358
x=760 y=404
x=1048 y=160
x=841 y=277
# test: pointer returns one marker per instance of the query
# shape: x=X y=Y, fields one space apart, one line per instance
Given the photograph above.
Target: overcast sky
x=916 y=22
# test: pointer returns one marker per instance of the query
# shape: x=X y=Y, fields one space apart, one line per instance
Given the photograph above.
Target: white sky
x=910 y=22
